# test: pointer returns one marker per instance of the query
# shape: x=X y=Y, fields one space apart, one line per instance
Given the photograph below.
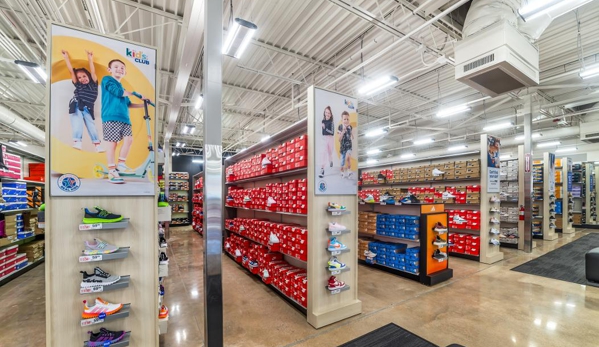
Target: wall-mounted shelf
x=121 y=253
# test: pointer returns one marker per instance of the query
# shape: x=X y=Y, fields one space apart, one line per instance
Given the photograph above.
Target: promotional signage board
x=493 y=164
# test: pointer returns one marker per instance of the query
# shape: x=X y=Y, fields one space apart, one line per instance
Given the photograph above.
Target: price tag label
x=335 y=252
x=91 y=321
x=89 y=290
x=335 y=233
x=336 y=291
x=336 y=213
x=336 y=272
x=88 y=258
x=90 y=226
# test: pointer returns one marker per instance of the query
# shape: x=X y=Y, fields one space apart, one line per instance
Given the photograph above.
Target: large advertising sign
x=102 y=94
x=493 y=164
x=336 y=143
x=551 y=174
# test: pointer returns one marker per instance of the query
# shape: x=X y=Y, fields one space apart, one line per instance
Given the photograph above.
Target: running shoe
x=335 y=245
x=334 y=283
x=253 y=263
x=381 y=178
x=458 y=219
x=336 y=227
x=369 y=199
x=246 y=199
x=504 y=194
x=162 y=259
x=321 y=175
x=104 y=337
x=42 y=207
x=270 y=201
x=448 y=195
x=265 y=274
x=237 y=253
x=440 y=256
x=266 y=162
x=410 y=199
x=273 y=238
x=230 y=198
x=440 y=228
x=437 y=172
x=494 y=231
x=552 y=197
x=369 y=254
x=334 y=206
x=161 y=290
x=163 y=313
x=439 y=242
x=495 y=242
x=163 y=243
x=494 y=220
x=98 y=246
x=100 y=306
x=335 y=264
x=551 y=211
x=98 y=278
x=386 y=197
x=552 y=225
x=494 y=209
x=495 y=199
x=100 y=216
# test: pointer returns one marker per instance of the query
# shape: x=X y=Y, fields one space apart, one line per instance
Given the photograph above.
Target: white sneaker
x=100 y=149
x=448 y=195
x=336 y=227
x=369 y=254
x=495 y=242
x=494 y=209
x=123 y=168
x=270 y=201
x=237 y=253
x=114 y=177
x=504 y=194
x=227 y=245
x=494 y=231
x=265 y=274
x=273 y=239
x=437 y=172
x=494 y=220
x=459 y=220
x=77 y=145
x=266 y=162
x=495 y=199
x=247 y=199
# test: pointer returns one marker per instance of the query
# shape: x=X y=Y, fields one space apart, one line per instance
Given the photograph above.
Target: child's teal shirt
x=115 y=106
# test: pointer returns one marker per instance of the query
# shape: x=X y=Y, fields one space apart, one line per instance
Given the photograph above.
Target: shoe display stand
x=180 y=187
x=431 y=271
x=123 y=313
x=197 y=214
x=512 y=229
x=122 y=343
x=548 y=203
x=584 y=191
x=564 y=196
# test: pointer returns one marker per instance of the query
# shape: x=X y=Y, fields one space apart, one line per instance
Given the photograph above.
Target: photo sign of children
x=102 y=115
x=335 y=143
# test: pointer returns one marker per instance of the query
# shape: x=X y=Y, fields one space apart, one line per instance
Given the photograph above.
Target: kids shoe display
x=440 y=256
x=448 y=195
x=494 y=231
x=273 y=239
x=335 y=245
x=336 y=227
x=162 y=259
x=410 y=199
x=98 y=246
x=335 y=264
x=100 y=216
x=163 y=313
x=334 y=206
x=335 y=284
x=439 y=242
x=369 y=199
x=440 y=228
x=495 y=242
x=437 y=172
x=99 y=306
x=104 y=337
x=98 y=278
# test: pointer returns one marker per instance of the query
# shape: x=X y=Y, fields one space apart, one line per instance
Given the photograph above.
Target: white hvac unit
x=589 y=132
x=497 y=60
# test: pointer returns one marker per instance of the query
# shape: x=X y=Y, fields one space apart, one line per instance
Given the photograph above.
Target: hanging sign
x=493 y=164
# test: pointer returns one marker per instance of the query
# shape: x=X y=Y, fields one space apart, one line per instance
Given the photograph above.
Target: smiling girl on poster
x=346 y=136
x=328 y=134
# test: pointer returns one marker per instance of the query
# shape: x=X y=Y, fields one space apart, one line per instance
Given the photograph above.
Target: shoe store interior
x=265 y=173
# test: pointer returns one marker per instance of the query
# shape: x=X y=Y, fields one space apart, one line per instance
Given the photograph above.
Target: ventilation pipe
x=12 y=120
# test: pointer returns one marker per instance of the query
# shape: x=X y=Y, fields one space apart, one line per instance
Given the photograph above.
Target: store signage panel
x=493 y=164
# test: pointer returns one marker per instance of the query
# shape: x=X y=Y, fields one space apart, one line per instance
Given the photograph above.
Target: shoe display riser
x=548 y=203
x=512 y=229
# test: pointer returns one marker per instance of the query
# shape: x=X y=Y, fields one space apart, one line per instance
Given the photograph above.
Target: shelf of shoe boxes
x=266 y=217
x=197 y=214
x=464 y=223
x=537 y=198
x=564 y=205
x=179 y=197
x=509 y=214
x=589 y=208
x=579 y=179
x=548 y=203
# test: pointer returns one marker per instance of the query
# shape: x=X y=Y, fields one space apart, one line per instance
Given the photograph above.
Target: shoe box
x=290 y=155
x=401 y=226
x=362 y=247
x=13 y=164
x=472 y=218
x=291 y=197
x=396 y=255
x=197 y=215
x=293 y=239
x=464 y=243
x=14 y=195
x=509 y=214
x=367 y=222
x=199 y=183
x=37 y=172
x=509 y=170
x=509 y=235
x=34 y=250
x=424 y=173
x=179 y=176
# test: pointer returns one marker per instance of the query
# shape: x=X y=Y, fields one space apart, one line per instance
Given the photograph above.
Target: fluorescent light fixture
x=498 y=126
x=596 y=163
x=371 y=161
x=197 y=161
x=239 y=37
x=96 y=10
x=552 y=8
x=199 y=102
x=21 y=143
x=378 y=85
x=453 y=110
x=183 y=144
x=264 y=138
x=28 y=73
x=374 y=151
x=534 y=136
x=192 y=128
x=178 y=144
x=505 y=156
x=407 y=155
x=178 y=153
x=567 y=149
x=185 y=129
x=41 y=72
x=376 y=132
x=424 y=141
x=174 y=154
x=589 y=72
x=549 y=144
x=457 y=148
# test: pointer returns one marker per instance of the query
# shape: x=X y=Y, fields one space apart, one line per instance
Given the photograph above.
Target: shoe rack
x=563 y=182
x=511 y=227
x=428 y=243
x=178 y=197
x=548 y=203
x=197 y=202
x=590 y=198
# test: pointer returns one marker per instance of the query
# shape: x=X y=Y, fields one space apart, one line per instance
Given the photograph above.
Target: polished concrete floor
x=483 y=305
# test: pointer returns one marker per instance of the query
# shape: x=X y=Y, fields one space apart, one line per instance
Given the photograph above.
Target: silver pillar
x=213 y=183
x=528 y=113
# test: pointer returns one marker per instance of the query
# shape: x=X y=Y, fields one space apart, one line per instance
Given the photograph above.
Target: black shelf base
x=538 y=237
x=586 y=226
x=397 y=272
x=292 y=302
x=437 y=277
x=509 y=245
x=465 y=256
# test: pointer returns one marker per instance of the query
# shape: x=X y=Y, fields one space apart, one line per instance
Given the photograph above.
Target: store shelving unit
x=197 y=201
x=176 y=182
x=585 y=204
x=563 y=188
x=538 y=198
x=548 y=204
x=511 y=227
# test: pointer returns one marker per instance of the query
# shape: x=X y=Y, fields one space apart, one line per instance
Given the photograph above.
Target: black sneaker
x=98 y=278
x=321 y=173
x=439 y=242
x=163 y=259
x=440 y=256
x=163 y=243
x=100 y=216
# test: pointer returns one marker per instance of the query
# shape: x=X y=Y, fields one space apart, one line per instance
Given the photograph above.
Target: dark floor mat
x=565 y=263
x=389 y=335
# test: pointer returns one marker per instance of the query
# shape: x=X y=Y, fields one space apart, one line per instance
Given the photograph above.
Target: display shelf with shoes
x=197 y=214
x=584 y=195
x=123 y=282
x=122 y=224
x=512 y=183
x=106 y=341
x=121 y=253
x=548 y=204
x=106 y=318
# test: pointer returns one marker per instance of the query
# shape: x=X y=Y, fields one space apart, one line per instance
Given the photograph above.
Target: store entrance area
x=482 y=305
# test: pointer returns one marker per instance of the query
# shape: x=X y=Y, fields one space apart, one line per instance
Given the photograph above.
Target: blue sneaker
x=335 y=264
x=253 y=263
x=410 y=199
x=335 y=245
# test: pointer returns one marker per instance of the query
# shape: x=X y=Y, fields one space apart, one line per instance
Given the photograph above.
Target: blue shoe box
x=14 y=185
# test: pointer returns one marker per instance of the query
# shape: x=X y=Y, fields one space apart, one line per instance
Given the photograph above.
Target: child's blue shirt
x=115 y=106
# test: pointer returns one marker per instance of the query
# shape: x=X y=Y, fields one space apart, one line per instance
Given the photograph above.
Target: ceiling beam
x=151 y=9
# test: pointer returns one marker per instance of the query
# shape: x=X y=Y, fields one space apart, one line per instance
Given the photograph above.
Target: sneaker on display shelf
x=369 y=199
x=266 y=162
x=270 y=201
x=440 y=228
x=439 y=242
x=104 y=337
x=162 y=259
x=448 y=195
x=458 y=219
x=437 y=172
x=440 y=256
x=230 y=198
x=237 y=253
x=494 y=231
x=335 y=245
x=227 y=245
x=163 y=243
x=410 y=199
x=334 y=206
x=504 y=194
x=494 y=209
x=386 y=197
x=552 y=225
x=494 y=220
x=334 y=283
x=265 y=274
x=552 y=197
x=163 y=313
x=100 y=216
x=253 y=264
x=273 y=238
x=98 y=278
x=495 y=242
x=98 y=307
x=369 y=254
x=335 y=264
x=494 y=199
x=98 y=246
x=246 y=199
x=336 y=227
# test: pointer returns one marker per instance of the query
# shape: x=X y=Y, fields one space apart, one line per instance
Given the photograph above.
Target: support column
x=213 y=183
x=527 y=177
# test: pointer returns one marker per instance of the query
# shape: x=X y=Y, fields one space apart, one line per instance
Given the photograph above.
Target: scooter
x=145 y=169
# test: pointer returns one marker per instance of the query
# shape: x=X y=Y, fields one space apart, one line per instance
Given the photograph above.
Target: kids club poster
x=102 y=115
x=336 y=143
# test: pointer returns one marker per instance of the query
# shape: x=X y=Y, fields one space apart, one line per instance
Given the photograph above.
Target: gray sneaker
x=98 y=246
x=98 y=278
